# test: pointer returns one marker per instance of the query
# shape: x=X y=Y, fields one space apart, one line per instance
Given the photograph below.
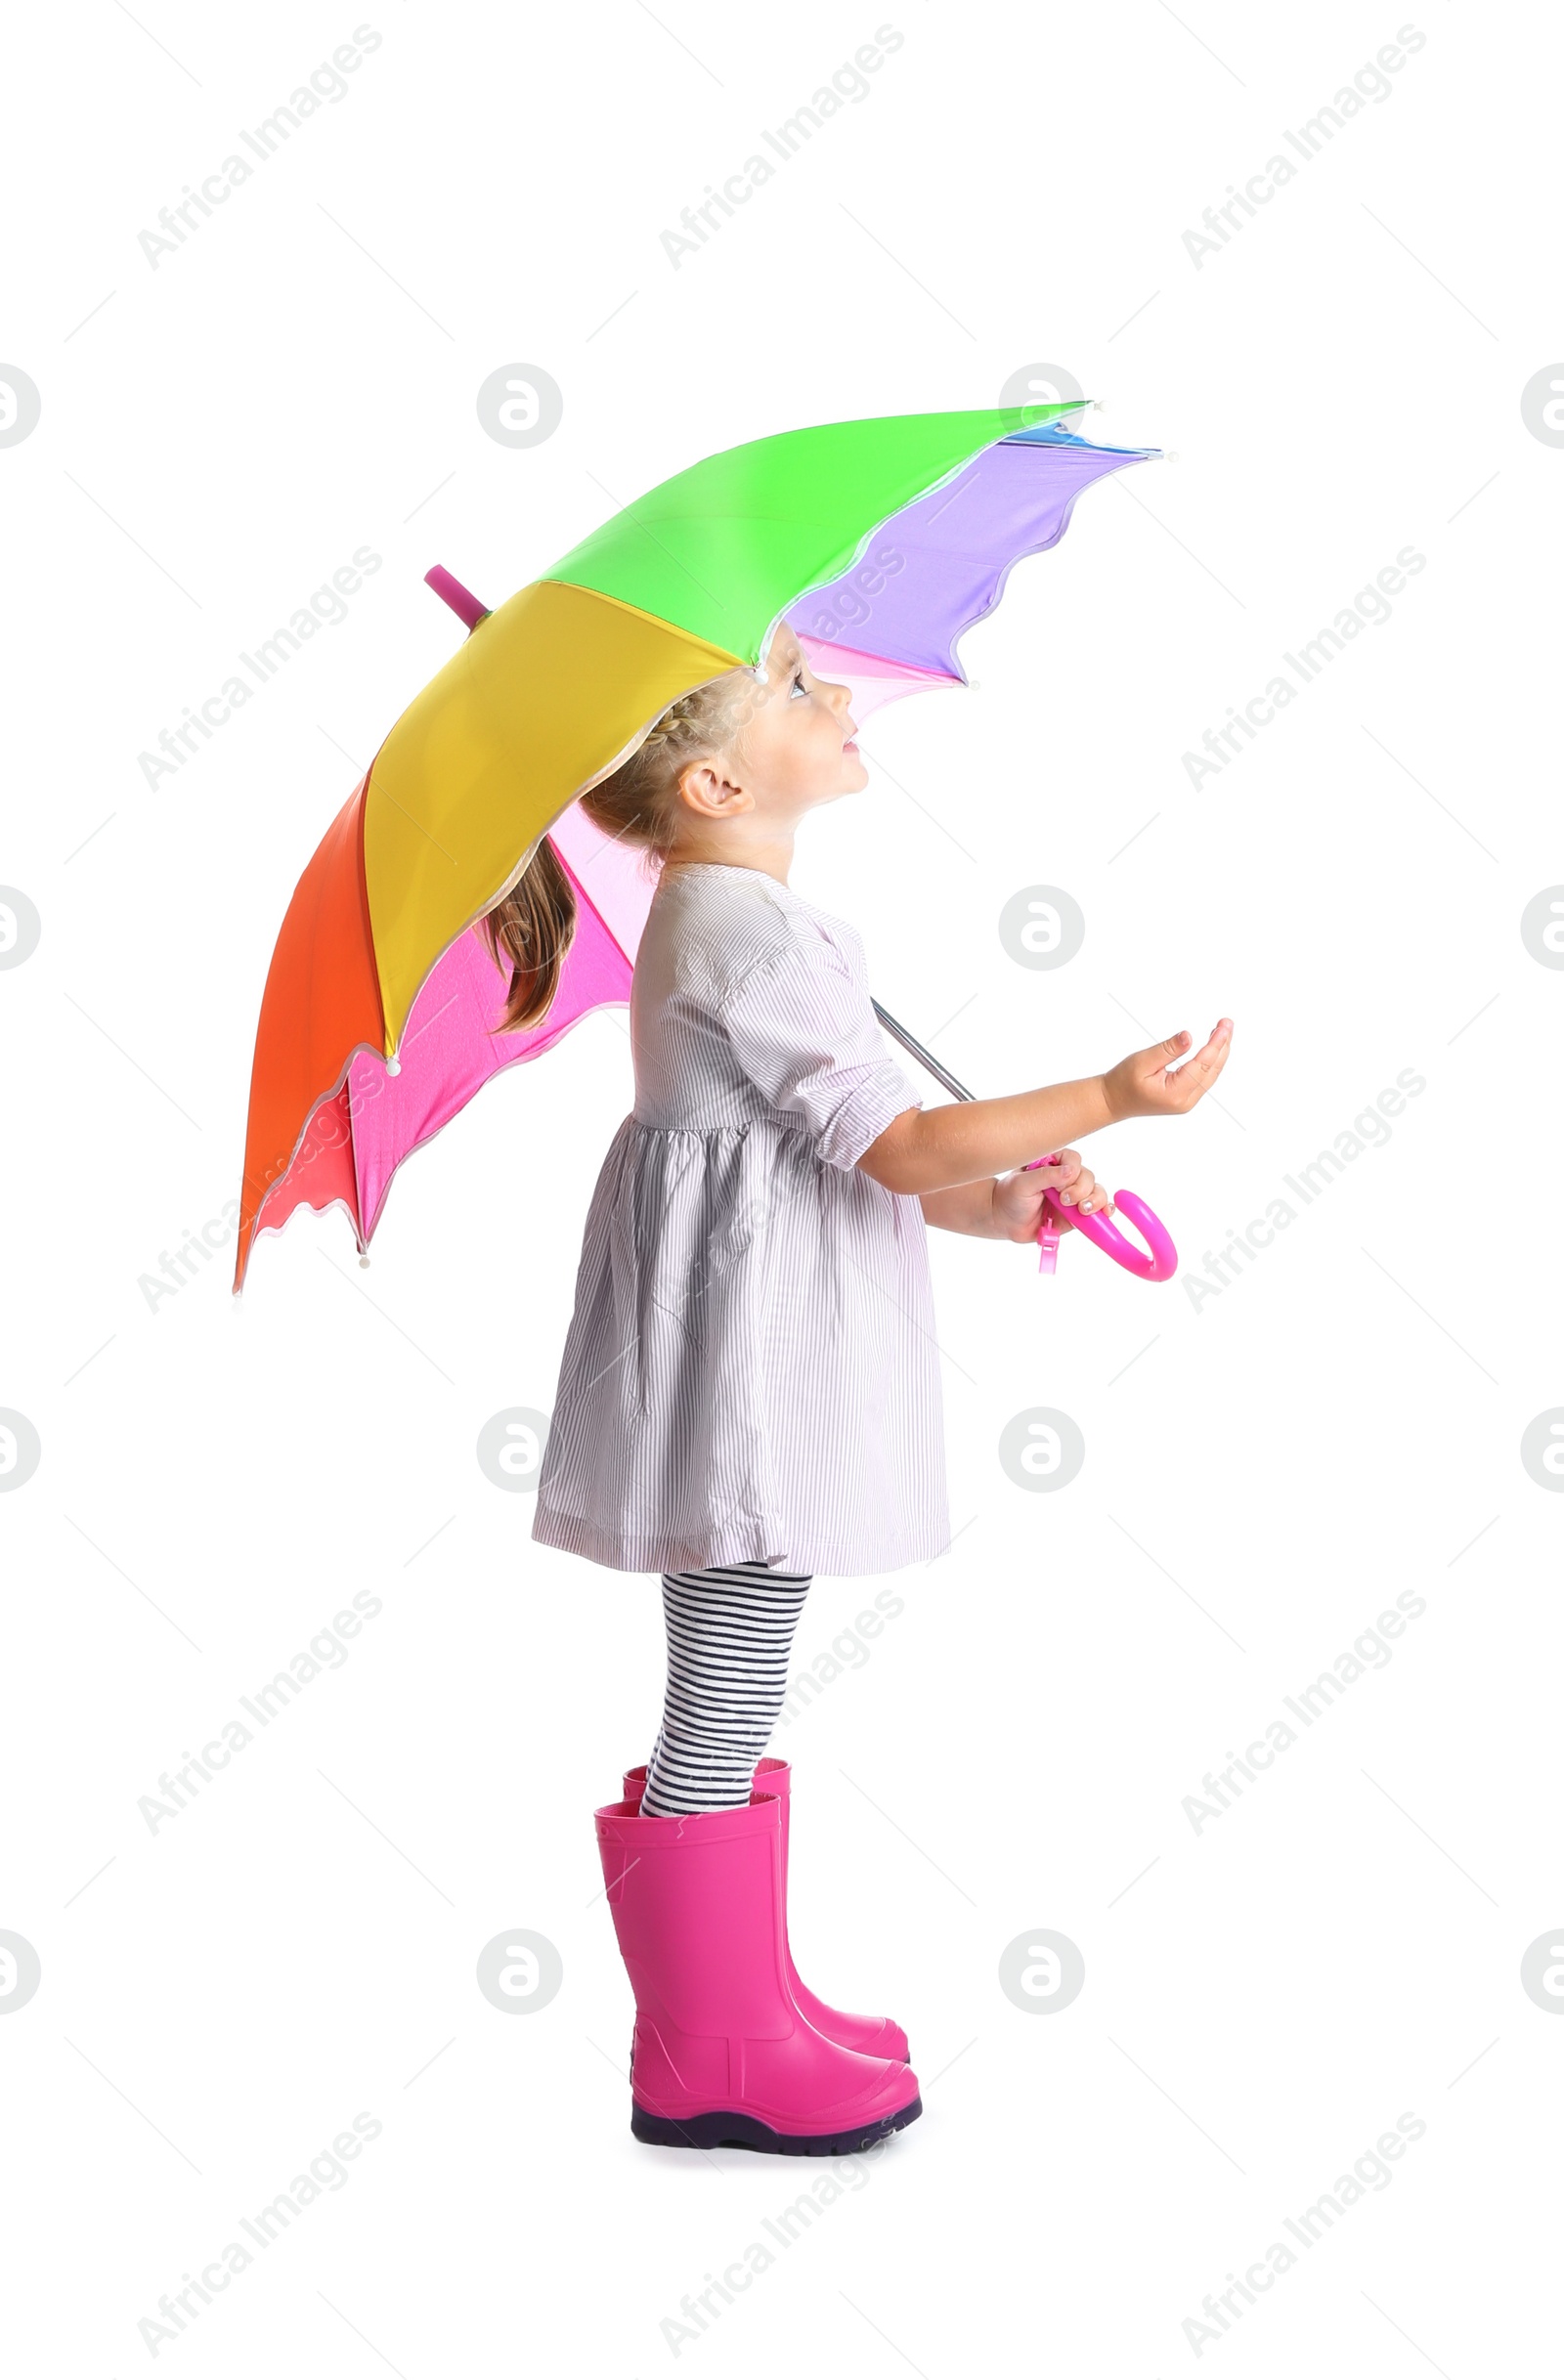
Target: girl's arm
x=1012 y=1208
x=940 y=1149
x=969 y=1208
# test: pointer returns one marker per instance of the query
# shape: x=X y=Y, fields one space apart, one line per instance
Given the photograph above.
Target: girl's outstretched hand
x=1019 y=1197
x=1154 y=1081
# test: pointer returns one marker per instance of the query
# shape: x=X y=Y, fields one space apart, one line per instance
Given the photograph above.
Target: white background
x=1264 y=1471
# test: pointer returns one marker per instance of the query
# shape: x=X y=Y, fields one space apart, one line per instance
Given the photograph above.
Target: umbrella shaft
x=917 y=1050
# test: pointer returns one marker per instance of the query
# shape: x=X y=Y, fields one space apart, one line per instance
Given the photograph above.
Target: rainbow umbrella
x=880 y=542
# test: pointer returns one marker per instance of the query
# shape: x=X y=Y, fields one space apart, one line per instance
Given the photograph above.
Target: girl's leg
x=729 y=1636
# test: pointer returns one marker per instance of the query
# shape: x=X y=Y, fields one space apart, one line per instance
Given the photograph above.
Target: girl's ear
x=705 y=788
x=691 y=786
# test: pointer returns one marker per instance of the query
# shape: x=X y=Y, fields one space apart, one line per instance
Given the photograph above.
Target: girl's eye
x=798 y=686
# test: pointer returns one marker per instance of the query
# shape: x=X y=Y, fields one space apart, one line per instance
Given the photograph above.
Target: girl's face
x=794 y=750
x=798 y=739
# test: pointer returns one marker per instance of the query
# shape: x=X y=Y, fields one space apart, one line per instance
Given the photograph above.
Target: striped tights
x=729 y=1634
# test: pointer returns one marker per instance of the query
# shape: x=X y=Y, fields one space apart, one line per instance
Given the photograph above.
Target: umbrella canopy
x=878 y=542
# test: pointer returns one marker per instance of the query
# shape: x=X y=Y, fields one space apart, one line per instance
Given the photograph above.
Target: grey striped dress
x=750 y=1372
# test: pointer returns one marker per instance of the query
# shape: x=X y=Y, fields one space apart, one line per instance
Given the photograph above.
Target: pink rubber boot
x=723 y=2058
x=874 y=2036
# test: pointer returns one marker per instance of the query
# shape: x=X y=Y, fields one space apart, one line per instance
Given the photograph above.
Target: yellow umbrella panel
x=548 y=694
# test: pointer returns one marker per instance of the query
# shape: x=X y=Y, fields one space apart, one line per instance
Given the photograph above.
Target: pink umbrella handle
x=1162 y=1262
x=1159 y=1265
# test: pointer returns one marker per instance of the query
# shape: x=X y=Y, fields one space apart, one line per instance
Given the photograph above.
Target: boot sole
x=726 y=2129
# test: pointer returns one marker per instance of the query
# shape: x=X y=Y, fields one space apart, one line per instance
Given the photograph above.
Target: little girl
x=750 y=1390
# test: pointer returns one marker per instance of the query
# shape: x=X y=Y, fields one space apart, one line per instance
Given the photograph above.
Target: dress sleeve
x=805 y=1032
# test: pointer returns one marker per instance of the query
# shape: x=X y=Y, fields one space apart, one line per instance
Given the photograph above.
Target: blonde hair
x=529 y=931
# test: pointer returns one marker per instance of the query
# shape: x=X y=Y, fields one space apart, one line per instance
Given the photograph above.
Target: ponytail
x=530 y=932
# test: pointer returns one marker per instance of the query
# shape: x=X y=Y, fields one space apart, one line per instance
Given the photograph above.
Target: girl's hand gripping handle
x=1159 y=1265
